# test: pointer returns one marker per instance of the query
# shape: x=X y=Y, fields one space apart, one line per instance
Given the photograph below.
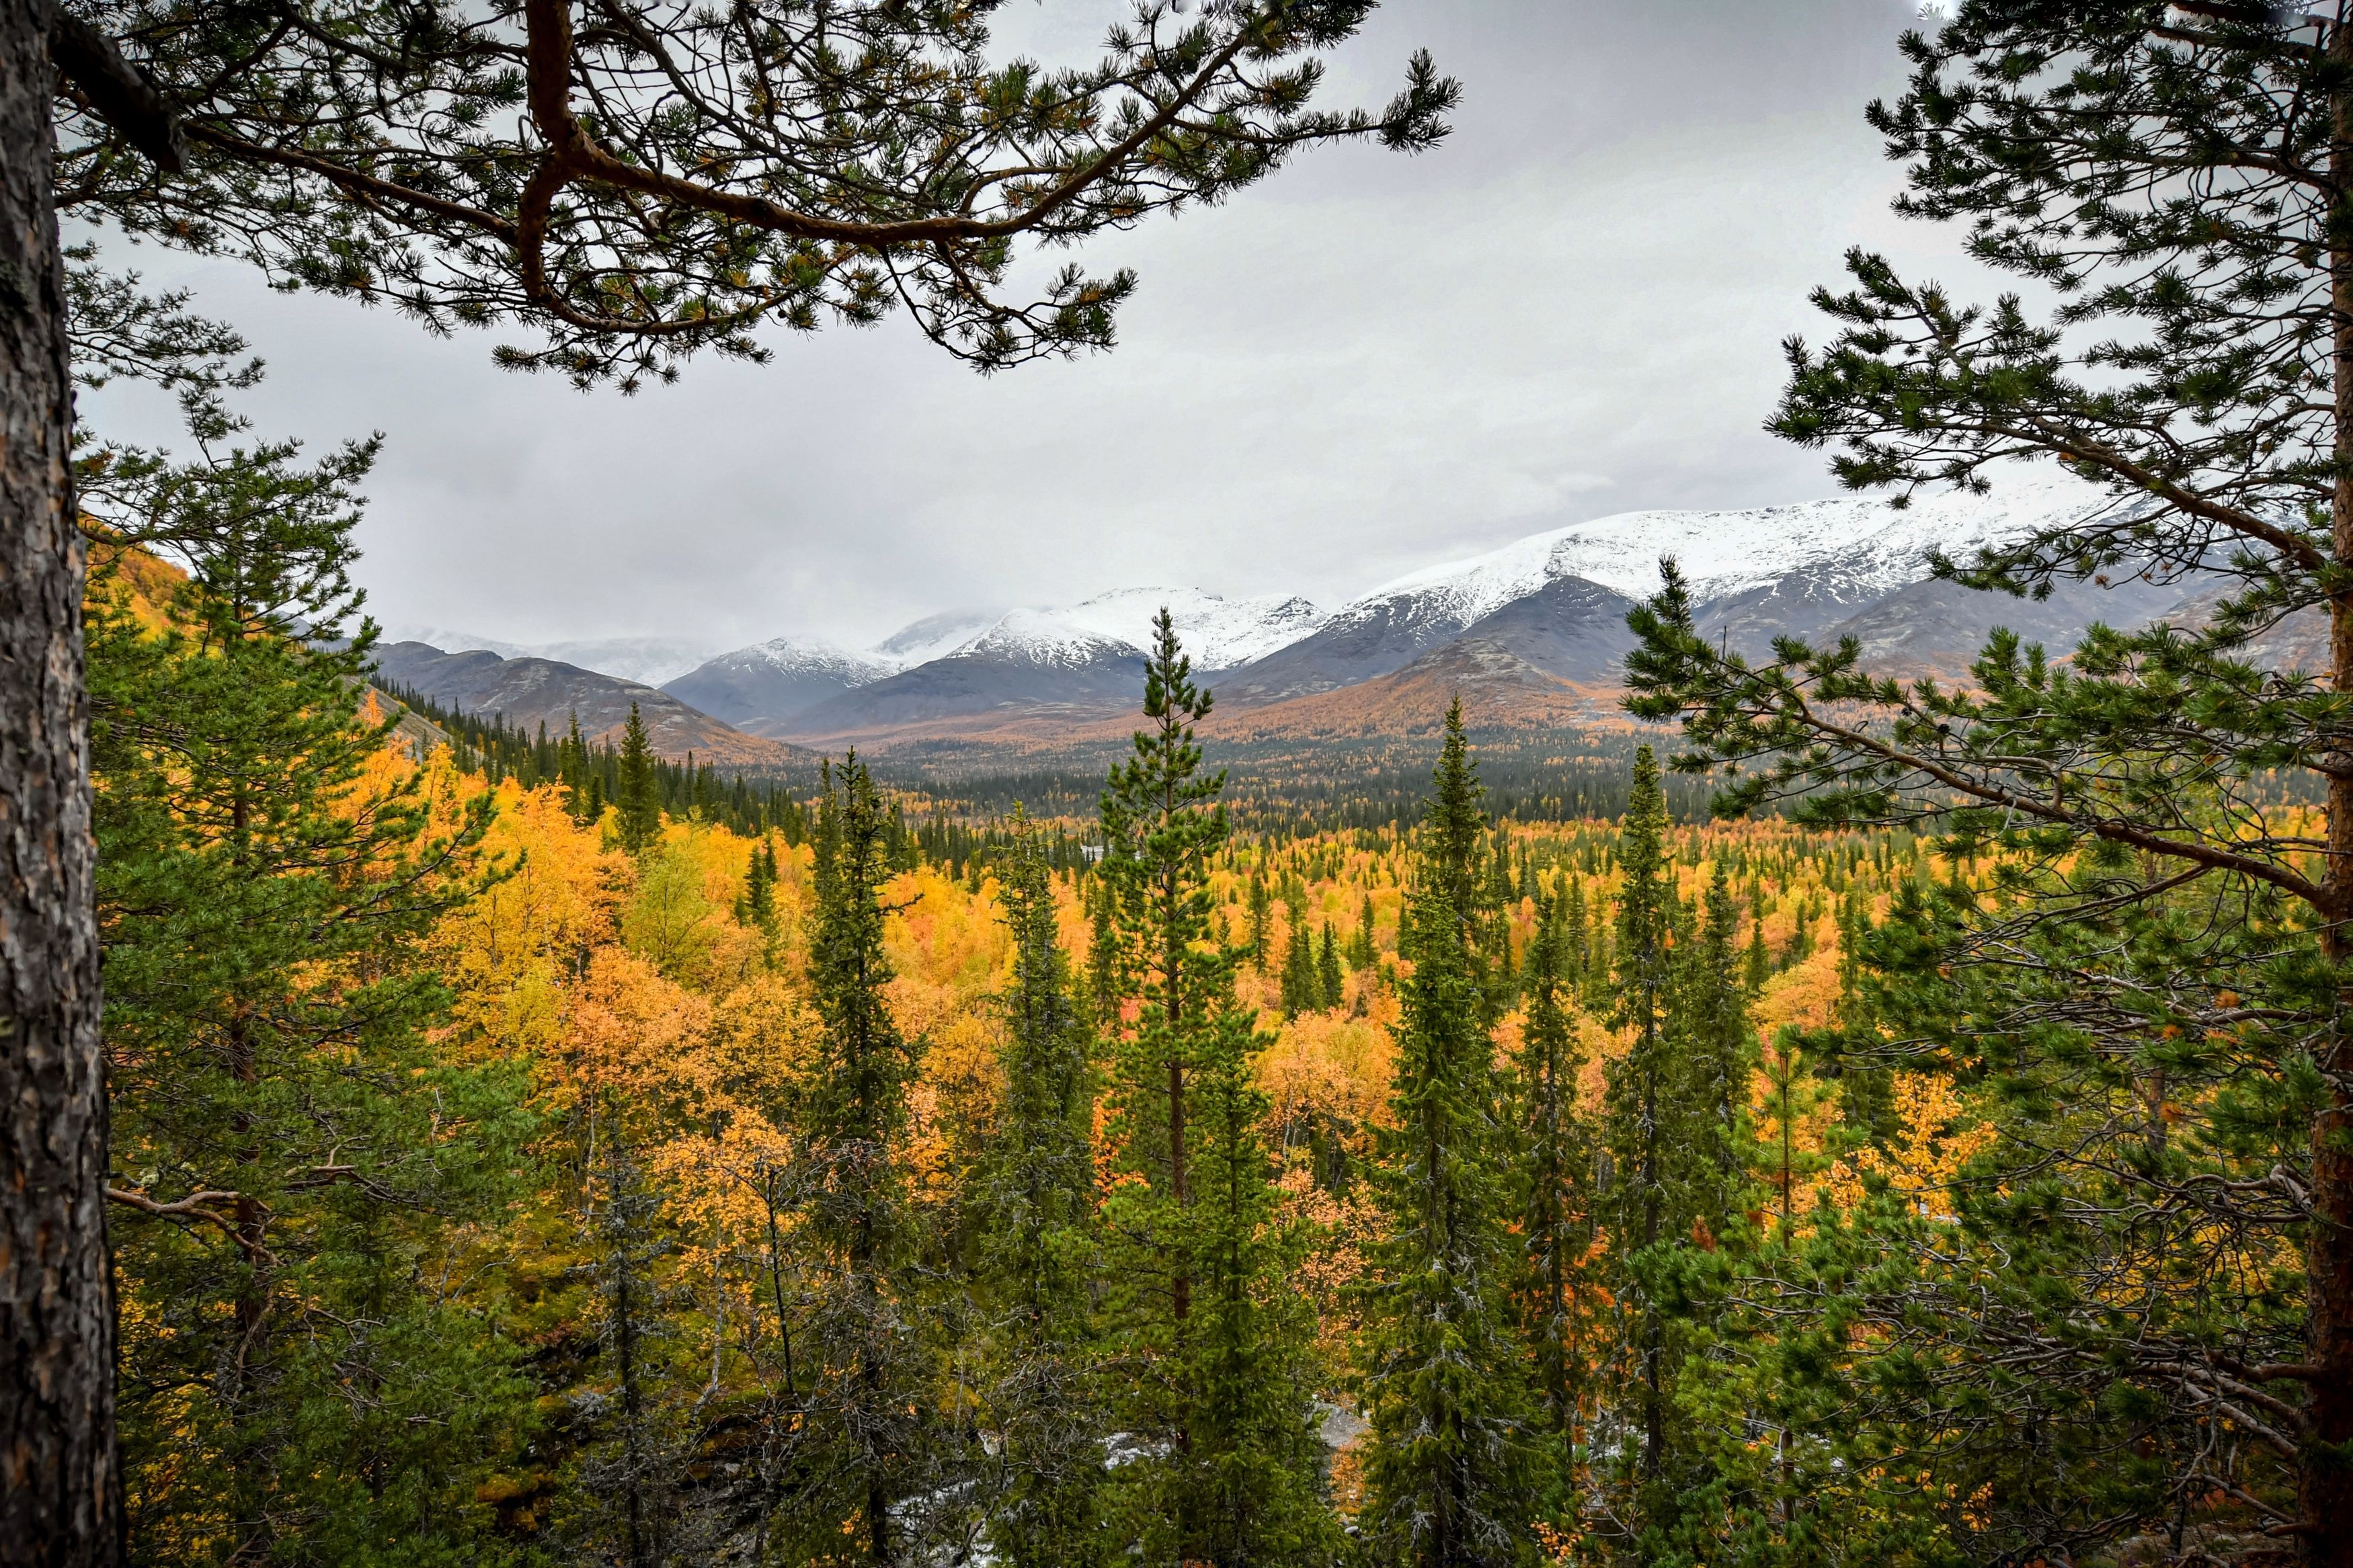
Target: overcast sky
x=1369 y=364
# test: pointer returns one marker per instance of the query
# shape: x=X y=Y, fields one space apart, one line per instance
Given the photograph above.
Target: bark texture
x=59 y=1492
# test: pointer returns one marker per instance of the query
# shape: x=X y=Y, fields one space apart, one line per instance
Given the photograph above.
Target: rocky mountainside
x=529 y=692
x=647 y=660
x=1536 y=626
x=774 y=681
x=1087 y=655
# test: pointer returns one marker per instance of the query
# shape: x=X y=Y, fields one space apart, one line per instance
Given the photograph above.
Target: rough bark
x=59 y=1492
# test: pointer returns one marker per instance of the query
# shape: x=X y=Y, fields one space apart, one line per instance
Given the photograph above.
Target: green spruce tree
x=295 y=1146
x=1231 y=1404
x=638 y=797
x=867 y=1446
x=1040 y=1264
x=1451 y=1467
x=1553 y=1201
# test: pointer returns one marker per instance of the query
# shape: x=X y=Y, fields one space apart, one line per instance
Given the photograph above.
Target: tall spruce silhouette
x=1449 y=1468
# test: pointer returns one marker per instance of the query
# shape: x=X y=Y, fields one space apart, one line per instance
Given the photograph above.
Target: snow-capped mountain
x=773 y=680
x=955 y=665
x=1552 y=605
x=1870 y=545
x=1219 y=633
x=1756 y=574
x=933 y=636
x=647 y=660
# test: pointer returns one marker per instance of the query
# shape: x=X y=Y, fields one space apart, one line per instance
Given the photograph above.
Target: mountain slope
x=1755 y=572
x=772 y=681
x=1028 y=662
x=530 y=692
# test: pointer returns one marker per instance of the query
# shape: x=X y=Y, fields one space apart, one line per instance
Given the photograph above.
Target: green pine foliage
x=293 y=1157
x=1040 y=1269
x=2170 y=180
x=1223 y=1467
x=865 y=1447
x=1450 y=1468
x=637 y=823
x=1552 y=1207
x=1673 y=1138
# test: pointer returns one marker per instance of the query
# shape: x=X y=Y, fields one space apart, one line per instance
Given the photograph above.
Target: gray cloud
x=1573 y=307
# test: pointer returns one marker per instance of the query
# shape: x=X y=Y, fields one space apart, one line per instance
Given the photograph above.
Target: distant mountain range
x=530 y=692
x=1534 y=632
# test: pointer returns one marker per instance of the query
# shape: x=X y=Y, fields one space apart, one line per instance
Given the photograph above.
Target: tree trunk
x=59 y=1486
x=2325 y=1478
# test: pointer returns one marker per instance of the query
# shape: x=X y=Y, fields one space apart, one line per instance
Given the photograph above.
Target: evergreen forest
x=1825 y=1117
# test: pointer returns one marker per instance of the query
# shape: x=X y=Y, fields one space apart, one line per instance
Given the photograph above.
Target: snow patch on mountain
x=1218 y=632
x=1044 y=637
x=649 y=661
x=811 y=656
x=1866 y=543
x=933 y=636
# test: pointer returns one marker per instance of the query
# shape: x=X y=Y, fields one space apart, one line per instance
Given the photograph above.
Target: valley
x=1530 y=636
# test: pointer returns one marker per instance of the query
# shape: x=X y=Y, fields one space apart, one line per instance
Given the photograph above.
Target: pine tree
x=1302 y=991
x=1714 y=1049
x=1552 y=1194
x=1330 y=986
x=1041 y=1263
x=757 y=906
x=639 y=794
x=294 y=1152
x=1449 y=1468
x=1230 y=1425
x=865 y=1414
x=1638 y=1084
x=2172 y=180
x=1362 y=951
x=1246 y=1488
x=1259 y=906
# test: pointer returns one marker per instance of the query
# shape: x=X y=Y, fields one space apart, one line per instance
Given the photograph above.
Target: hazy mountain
x=935 y=636
x=770 y=683
x=530 y=692
x=1027 y=661
x=1543 y=617
x=1088 y=657
x=650 y=660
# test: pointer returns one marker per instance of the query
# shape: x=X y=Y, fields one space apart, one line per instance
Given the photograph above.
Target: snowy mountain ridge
x=1864 y=543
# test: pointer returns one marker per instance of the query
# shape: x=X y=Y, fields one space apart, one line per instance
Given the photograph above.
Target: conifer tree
x=293 y=1151
x=1714 y=1049
x=1246 y=1488
x=1449 y=1468
x=1362 y=953
x=1330 y=987
x=2173 y=181
x=1640 y=1083
x=1302 y=990
x=757 y=906
x=1162 y=820
x=1040 y=1264
x=1552 y=1195
x=866 y=1448
x=1229 y=1417
x=638 y=795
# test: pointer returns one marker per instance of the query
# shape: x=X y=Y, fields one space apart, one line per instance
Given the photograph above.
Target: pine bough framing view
x=517 y=1150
